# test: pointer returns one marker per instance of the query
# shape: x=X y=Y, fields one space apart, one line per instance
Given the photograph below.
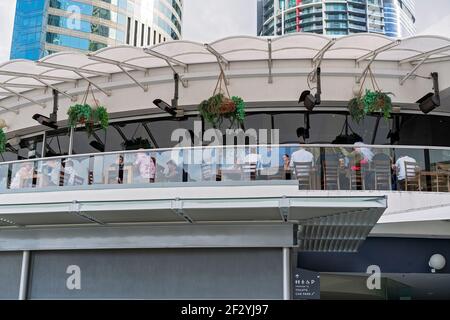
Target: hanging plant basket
x=85 y=114
x=378 y=102
x=375 y=101
x=221 y=106
x=356 y=108
x=218 y=107
x=3 y=141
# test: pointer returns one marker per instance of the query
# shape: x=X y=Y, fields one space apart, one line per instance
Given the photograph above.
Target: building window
x=148 y=36
x=128 y=30
x=142 y=35
x=135 y=32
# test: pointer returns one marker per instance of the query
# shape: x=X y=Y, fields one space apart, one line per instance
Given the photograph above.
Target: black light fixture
x=310 y=100
x=49 y=121
x=431 y=100
x=171 y=109
x=164 y=106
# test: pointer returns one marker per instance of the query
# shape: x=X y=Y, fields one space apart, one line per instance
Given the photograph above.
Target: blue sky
x=207 y=20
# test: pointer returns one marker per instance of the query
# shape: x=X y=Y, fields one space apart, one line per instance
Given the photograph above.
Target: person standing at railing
x=173 y=173
x=286 y=167
x=23 y=177
x=120 y=166
x=146 y=167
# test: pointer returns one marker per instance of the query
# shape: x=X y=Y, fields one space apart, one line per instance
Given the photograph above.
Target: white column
x=286 y=274
x=71 y=140
x=24 y=275
x=276 y=9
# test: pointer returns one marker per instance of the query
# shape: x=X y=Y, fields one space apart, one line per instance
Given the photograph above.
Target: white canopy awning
x=19 y=76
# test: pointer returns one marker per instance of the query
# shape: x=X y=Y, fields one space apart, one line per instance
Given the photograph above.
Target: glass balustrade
x=311 y=167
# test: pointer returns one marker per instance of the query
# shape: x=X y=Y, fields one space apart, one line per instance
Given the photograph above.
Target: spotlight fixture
x=310 y=100
x=431 y=100
x=49 y=121
x=164 y=106
x=45 y=121
x=173 y=109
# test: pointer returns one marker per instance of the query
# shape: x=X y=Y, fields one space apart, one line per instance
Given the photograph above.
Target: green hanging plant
x=356 y=109
x=101 y=117
x=218 y=107
x=3 y=141
x=240 y=109
x=85 y=115
x=371 y=102
x=378 y=102
x=210 y=109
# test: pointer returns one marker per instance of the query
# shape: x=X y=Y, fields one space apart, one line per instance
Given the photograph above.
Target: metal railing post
x=286 y=274
x=23 y=288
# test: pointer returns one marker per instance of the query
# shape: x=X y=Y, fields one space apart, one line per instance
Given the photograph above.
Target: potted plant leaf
x=356 y=108
x=2 y=140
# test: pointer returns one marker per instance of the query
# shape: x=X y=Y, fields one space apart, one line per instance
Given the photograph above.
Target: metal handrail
x=156 y=150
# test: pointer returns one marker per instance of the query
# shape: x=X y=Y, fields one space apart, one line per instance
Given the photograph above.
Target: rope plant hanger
x=85 y=114
x=372 y=101
x=222 y=106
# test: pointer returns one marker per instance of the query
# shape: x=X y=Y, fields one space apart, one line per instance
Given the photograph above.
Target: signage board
x=305 y=284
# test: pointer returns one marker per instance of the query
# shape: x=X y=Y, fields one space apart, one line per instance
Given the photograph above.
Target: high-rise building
x=393 y=18
x=42 y=27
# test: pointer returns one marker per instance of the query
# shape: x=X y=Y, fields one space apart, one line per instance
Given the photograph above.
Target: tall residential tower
x=42 y=27
x=393 y=18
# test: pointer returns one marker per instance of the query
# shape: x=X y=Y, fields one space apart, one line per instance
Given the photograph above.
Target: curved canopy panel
x=415 y=46
x=128 y=56
x=187 y=52
x=357 y=45
x=74 y=60
x=242 y=48
x=298 y=46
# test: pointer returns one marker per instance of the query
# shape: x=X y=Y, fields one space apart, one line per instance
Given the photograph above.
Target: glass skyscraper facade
x=43 y=27
x=393 y=18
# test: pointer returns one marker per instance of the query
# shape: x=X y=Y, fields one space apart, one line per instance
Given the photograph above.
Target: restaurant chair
x=303 y=174
x=249 y=170
x=331 y=175
x=208 y=174
x=382 y=174
x=357 y=172
x=412 y=177
x=442 y=179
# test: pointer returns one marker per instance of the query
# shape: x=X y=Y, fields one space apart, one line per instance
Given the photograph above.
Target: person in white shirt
x=301 y=155
x=401 y=170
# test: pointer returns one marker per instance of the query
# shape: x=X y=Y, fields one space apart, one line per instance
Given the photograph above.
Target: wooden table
x=234 y=172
